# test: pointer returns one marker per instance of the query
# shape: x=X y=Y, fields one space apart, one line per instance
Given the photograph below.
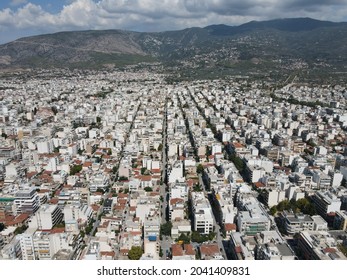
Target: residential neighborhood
x=108 y=165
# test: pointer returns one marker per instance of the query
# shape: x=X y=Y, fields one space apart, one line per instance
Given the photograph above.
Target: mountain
x=253 y=47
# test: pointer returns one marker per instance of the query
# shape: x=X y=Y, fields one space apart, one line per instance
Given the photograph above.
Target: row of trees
x=196 y=237
x=302 y=205
x=294 y=101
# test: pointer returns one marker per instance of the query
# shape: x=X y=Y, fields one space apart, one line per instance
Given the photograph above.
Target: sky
x=21 y=18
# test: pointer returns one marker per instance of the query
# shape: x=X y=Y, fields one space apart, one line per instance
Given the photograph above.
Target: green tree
x=310 y=210
x=273 y=210
x=135 y=253
x=2 y=227
x=283 y=205
x=101 y=190
x=122 y=178
x=239 y=163
x=20 y=230
x=197 y=237
x=165 y=229
x=197 y=188
x=184 y=238
x=200 y=169
x=114 y=169
x=148 y=189
x=75 y=169
x=211 y=235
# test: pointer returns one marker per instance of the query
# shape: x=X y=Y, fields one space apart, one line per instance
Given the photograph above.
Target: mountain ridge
x=256 y=43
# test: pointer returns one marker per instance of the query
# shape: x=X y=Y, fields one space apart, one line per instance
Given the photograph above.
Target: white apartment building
x=326 y=202
x=26 y=201
x=202 y=213
x=47 y=217
x=79 y=213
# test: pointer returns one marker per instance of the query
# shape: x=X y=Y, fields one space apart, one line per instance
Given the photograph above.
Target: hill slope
x=290 y=44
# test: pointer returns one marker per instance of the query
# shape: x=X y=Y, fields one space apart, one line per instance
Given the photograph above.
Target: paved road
x=219 y=238
x=166 y=241
x=163 y=187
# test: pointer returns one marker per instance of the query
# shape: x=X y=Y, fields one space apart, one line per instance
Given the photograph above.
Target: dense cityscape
x=107 y=165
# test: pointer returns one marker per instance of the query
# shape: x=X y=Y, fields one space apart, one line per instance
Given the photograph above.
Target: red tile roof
x=259 y=185
x=107 y=253
x=145 y=178
x=209 y=250
x=230 y=227
x=177 y=250
x=189 y=249
x=174 y=201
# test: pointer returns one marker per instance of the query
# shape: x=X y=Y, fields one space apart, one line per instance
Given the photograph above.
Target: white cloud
x=154 y=15
x=18 y=2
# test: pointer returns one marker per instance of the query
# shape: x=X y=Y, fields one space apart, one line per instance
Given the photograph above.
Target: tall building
x=26 y=201
x=326 y=203
x=43 y=245
x=47 y=217
x=202 y=213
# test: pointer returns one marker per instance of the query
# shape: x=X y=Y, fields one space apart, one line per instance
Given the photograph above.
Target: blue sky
x=51 y=6
x=20 y=18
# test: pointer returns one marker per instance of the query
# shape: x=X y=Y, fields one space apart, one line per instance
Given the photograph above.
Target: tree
x=273 y=210
x=148 y=189
x=75 y=169
x=184 y=238
x=211 y=235
x=100 y=190
x=199 y=238
x=200 y=168
x=135 y=253
x=239 y=163
x=2 y=227
x=20 y=230
x=196 y=237
x=197 y=188
x=283 y=205
x=165 y=229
